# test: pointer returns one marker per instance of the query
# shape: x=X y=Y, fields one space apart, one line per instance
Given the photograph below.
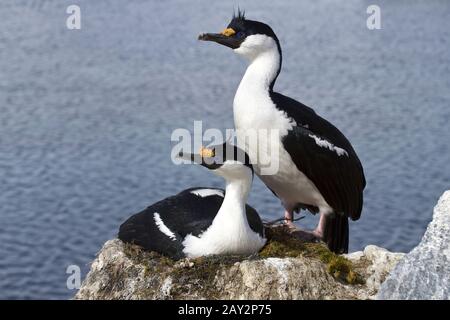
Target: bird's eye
x=240 y=34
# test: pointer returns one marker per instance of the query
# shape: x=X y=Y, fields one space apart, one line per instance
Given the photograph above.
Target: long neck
x=232 y=213
x=263 y=71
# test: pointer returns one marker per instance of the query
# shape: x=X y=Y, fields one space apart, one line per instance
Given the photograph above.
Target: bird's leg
x=320 y=229
x=307 y=235
x=289 y=218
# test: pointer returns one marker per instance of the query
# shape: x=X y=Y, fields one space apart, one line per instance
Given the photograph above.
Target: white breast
x=218 y=240
x=230 y=232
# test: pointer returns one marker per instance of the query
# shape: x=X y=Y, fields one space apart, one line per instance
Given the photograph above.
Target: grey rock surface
x=121 y=271
x=378 y=263
x=424 y=273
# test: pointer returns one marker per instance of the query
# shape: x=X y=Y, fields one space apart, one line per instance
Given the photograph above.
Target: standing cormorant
x=318 y=169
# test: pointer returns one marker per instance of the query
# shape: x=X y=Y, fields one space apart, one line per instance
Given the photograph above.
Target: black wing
x=188 y=213
x=339 y=178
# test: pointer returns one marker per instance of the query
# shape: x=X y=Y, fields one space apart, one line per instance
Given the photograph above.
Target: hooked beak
x=198 y=159
x=225 y=38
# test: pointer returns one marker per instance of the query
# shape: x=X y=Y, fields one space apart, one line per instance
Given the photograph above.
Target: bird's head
x=246 y=37
x=225 y=160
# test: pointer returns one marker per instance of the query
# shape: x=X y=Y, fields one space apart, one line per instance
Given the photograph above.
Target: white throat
x=233 y=205
x=262 y=70
x=231 y=217
x=252 y=99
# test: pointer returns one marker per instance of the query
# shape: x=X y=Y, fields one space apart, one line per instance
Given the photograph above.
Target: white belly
x=218 y=240
x=289 y=183
x=292 y=186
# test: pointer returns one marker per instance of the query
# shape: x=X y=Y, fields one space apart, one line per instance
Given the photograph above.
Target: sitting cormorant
x=203 y=221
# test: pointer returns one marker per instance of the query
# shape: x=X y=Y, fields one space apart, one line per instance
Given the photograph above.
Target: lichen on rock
x=286 y=268
x=282 y=243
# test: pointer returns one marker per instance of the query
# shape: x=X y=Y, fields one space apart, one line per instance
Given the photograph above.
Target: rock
x=424 y=273
x=305 y=271
x=378 y=262
x=286 y=268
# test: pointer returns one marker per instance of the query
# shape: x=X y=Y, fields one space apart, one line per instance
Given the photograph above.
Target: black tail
x=336 y=233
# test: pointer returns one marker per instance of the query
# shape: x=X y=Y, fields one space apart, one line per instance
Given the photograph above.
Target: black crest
x=240 y=15
x=240 y=24
x=238 y=21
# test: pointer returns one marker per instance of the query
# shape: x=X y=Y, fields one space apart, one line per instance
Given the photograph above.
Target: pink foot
x=315 y=235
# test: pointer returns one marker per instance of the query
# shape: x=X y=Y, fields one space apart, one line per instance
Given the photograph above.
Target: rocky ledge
x=286 y=268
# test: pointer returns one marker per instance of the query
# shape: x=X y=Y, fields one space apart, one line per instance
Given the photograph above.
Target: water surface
x=86 y=116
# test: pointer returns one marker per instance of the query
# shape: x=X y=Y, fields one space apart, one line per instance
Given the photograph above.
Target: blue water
x=86 y=116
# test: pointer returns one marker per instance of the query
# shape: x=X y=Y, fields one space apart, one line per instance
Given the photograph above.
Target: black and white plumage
x=318 y=168
x=202 y=221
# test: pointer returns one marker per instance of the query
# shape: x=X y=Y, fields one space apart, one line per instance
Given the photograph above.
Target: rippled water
x=86 y=116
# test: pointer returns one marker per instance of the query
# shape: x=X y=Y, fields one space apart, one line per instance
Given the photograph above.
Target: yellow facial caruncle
x=207 y=153
x=228 y=32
